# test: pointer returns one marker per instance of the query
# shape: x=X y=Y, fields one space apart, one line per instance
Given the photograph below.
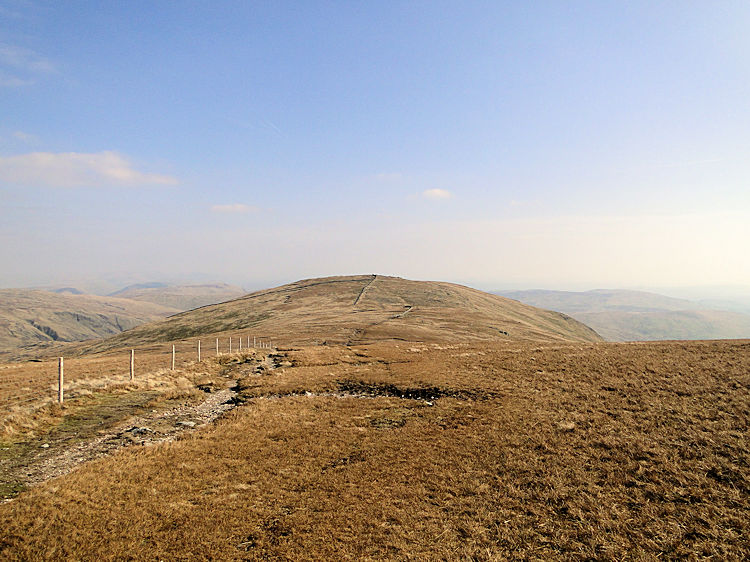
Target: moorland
x=390 y=419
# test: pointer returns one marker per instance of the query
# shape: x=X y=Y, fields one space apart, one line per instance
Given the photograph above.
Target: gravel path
x=146 y=429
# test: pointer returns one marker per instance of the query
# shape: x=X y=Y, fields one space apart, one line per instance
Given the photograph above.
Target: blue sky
x=501 y=144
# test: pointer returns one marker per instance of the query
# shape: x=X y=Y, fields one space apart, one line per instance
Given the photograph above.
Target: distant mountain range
x=619 y=315
x=30 y=318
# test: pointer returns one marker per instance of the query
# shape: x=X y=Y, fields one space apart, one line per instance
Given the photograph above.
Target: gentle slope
x=364 y=308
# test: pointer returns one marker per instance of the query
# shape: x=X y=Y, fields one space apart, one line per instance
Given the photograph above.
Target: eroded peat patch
x=600 y=451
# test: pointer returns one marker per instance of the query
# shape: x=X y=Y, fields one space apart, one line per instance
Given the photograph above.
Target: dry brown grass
x=598 y=451
x=28 y=391
x=362 y=309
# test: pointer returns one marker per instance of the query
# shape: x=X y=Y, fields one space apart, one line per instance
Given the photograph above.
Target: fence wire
x=22 y=384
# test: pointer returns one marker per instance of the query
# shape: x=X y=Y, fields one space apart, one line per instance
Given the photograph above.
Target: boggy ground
x=491 y=452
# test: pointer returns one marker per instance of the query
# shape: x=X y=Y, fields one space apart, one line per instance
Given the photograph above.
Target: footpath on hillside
x=107 y=421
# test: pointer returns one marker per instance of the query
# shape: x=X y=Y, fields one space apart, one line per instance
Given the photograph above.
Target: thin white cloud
x=436 y=194
x=25 y=137
x=76 y=169
x=8 y=81
x=233 y=208
x=24 y=59
x=21 y=67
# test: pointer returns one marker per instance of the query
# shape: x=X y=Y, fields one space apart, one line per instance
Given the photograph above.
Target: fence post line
x=60 y=377
x=132 y=364
x=173 y=357
x=254 y=346
x=199 y=351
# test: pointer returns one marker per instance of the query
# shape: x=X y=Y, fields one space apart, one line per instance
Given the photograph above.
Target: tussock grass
x=601 y=451
x=29 y=409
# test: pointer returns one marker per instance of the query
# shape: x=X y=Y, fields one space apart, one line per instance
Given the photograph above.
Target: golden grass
x=361 y=309
x=599 y=451
x=28 y=391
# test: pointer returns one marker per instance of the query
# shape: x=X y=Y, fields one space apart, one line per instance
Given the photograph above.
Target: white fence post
x=60 y=380
x=132 y=364
x=199 y=351
x=173 y=357
x=217 y=347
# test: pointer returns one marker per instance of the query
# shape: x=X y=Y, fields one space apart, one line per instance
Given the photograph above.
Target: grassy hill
x=640 y=316
x=364 y=308
x=29 y=317
x=180 y=297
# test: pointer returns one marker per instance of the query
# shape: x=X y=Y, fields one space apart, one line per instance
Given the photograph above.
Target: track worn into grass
x=99 y=423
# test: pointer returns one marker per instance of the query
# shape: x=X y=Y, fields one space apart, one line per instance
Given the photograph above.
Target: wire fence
x=36 y=381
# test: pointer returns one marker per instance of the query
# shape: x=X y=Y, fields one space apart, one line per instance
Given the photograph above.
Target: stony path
x=56 y=459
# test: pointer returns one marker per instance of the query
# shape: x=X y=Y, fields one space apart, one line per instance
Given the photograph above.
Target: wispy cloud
x=436 y=194
x=21 y=67
x=28 y=138
x=9 y=81
x=270 y=125
x=233 y=208
x=75 y=169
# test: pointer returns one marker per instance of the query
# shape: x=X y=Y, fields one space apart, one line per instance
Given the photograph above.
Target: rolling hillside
x=29 y=317
x=364 y=308
x=640 y=316
x=181 y=297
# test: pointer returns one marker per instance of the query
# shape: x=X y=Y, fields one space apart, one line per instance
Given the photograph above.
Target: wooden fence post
x=240 y=348
x=199 y=351
x=254 y=346
x=173 y=357
x=217 y=347
x=230 y=345
x=60 y=380
x=132 y=364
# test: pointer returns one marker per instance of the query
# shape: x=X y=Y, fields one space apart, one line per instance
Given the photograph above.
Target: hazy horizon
x=500 y=145
x=737 y=296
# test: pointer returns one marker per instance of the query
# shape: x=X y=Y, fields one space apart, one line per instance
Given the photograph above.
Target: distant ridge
x=620 y=315
x=180 y=297
x=136 y=286
x=362 y=309
x=67 y=291
x=30 y=317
